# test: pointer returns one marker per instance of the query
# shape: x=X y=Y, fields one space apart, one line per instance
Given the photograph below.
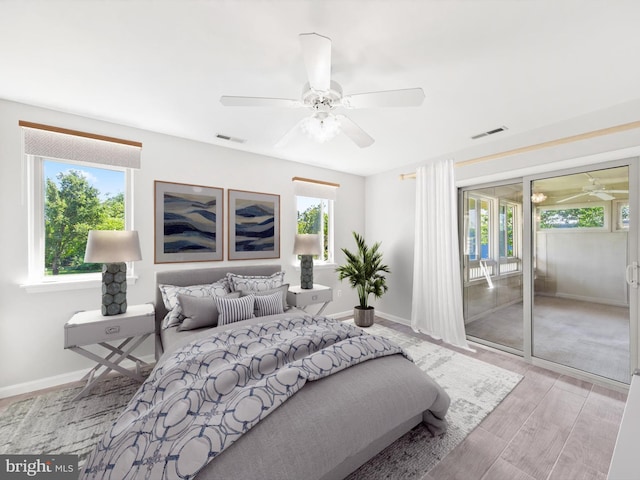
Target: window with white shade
x=76 y=184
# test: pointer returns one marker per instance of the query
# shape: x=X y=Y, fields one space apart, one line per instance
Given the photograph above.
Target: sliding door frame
x=462 y=239
x=633 y=255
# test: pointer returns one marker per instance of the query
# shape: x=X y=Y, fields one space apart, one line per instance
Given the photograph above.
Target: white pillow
x=254 y=283
x=233 y=310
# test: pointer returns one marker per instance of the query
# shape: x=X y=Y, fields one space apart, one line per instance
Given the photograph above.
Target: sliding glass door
x=550 y=268
x=581 y=299
x=492 y=265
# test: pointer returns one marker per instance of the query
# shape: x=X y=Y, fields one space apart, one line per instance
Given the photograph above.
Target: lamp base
x=306 y=271
x=114 y=288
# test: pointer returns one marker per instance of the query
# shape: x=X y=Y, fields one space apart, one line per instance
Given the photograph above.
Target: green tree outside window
x=585 y=217
x=72 y=208
x=309 y=222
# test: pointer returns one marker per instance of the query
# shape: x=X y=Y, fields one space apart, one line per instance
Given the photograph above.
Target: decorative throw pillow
x=254 y=283
x=269 y=304
x=170 y=298
x=200 y=312
x=235 y=309
x=284 y=289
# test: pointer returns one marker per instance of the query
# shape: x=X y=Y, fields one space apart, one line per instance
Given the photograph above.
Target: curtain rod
x=77 y=133
x=538 y=146
x=319 y=182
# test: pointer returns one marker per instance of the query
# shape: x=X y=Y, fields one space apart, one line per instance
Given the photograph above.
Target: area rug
x=475 y=388
x=54 y=423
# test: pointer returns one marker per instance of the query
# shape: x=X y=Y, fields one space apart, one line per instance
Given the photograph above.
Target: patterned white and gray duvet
x=201 y=399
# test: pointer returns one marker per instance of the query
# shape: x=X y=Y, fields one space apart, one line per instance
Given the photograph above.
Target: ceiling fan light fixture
x=538 y=197
x=321 y=127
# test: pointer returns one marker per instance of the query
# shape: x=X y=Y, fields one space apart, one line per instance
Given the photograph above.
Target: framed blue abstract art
x=254 y=225
x=188 y=223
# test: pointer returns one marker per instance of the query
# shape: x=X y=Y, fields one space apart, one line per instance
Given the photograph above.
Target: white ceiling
x=163 y=65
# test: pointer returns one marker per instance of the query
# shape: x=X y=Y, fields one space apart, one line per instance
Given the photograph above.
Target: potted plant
x=364 y=270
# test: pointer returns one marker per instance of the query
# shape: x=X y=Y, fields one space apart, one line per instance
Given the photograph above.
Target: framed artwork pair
x=189 y=224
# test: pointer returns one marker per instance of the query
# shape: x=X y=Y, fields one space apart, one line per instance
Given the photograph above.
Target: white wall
x=390 y=201
x=31 y=324
x=390 y=215
x=576 y=265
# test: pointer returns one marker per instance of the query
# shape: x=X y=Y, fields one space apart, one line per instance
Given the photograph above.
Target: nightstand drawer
x=300 y=297
x=86 y=328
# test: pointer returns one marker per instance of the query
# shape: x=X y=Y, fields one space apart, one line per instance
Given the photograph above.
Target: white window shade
x=50 y=142
x=304 y=187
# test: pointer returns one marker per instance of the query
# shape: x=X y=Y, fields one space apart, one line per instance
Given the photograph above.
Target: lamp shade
x=307 y=244
x=112 y=246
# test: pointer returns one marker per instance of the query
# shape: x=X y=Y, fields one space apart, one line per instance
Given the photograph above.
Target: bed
x=325 y=430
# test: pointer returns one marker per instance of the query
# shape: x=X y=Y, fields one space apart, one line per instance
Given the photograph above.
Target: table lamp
x=113 y=248
x=307 y=245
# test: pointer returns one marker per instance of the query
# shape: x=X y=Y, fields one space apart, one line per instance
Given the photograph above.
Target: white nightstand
x=303 y=297
x=91 y=327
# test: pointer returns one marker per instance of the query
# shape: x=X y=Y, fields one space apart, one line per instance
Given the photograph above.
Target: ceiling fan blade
x=603 y=196
x=354 y=132
x=316 y=51
x=408 y=97
x=230 y=101
x=572 y=197
x=615 y=191
x=292 y=132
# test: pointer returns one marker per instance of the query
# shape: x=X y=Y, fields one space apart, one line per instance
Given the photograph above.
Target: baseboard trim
x=57 y=380
x=582 y=298
x=394 y=318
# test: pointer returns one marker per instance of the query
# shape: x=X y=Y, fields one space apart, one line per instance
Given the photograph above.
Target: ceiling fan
x=594 y=189
x=323 y=95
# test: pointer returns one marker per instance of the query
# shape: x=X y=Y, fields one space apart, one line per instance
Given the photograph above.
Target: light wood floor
x=549 y=427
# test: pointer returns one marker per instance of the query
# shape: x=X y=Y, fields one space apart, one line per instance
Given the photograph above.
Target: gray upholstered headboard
x=197 y=276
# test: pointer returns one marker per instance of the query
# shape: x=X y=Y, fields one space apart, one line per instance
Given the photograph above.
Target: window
x=314 y=205
x=507 y=215
x=77 y=198
x=478 y=239
x=78 y=182
x=568 y=218
x=492 y=233
x=315 y=216
x=622 y=209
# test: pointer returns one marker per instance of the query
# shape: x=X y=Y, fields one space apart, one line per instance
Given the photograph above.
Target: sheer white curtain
x=437 y=290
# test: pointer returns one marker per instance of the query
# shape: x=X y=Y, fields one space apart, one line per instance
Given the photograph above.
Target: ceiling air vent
x=230 y=139
x=489 y=132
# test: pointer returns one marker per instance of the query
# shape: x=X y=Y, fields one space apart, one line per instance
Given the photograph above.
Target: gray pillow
x=170 y=298
x=200 y=312
x=284 y=289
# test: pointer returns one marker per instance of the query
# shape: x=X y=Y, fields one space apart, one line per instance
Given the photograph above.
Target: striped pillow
x=269 y=304
x=284 y=289
x=235 y=309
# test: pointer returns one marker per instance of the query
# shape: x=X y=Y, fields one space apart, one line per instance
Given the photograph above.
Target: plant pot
x=363 y=317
